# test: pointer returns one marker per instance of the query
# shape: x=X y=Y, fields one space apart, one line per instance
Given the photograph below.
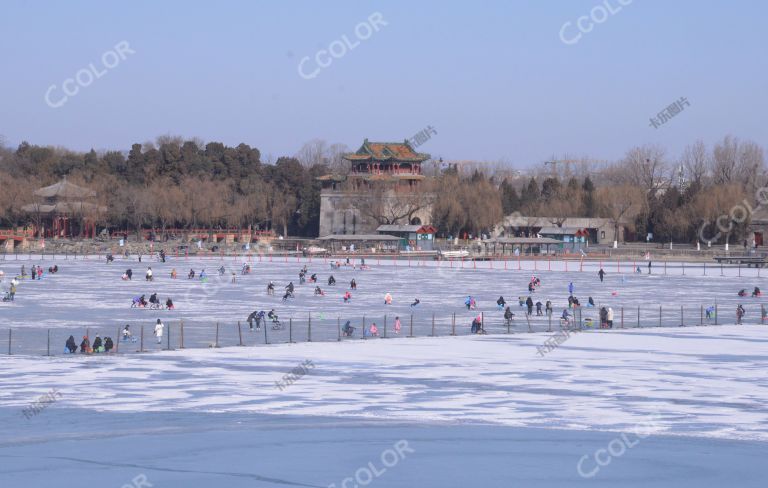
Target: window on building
x=602 y=234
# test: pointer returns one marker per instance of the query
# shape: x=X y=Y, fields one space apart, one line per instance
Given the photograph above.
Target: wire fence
x=313 y=327
x=543 y=263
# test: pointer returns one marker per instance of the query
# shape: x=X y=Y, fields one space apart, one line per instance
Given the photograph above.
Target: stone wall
x=339 y=214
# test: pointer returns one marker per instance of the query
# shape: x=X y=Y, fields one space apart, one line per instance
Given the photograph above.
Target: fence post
x=716 y=313
x=217 y=335
x=622 y=316
x=385 y=326
x=579 y=310
x=181 y=326
x=141 y=344
x=701 y=316
x=762 y=312
x=338 y=327
x=410 y=334
x=638 y=316
x=705 y=268
x=659 y=315
x=682 y=317
x=9 y=341
x=49 y=343
x=528 y=319
x=266 y=339
x=309 y=327
x=117 y=341
x=240 y=332
x=453 y=324
x=433 y=324
x=549 y=320
x=290 y=330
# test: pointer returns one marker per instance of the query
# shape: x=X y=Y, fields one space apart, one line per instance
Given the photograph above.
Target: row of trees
x=171 y=183
x=674 y=200
x=174 y=182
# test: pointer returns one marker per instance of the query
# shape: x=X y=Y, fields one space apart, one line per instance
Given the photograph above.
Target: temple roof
x=386 y=151
x=64 y=189
x=64 y=208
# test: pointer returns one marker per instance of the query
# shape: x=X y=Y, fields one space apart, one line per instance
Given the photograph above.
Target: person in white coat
x=609 y=318
x=159 y=331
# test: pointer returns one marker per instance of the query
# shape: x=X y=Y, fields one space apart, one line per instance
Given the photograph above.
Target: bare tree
x=738 y=162
x=281 y=208
x=712 y=210
x=620 y=204
x=313 y=153
x=725 y=160
x=335 y=157
x=388 y=203
x=14 y=193
x=695 y=161
x=644 y=167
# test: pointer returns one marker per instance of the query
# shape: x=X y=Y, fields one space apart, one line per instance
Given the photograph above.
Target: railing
x=315 y=327
x=544 y=263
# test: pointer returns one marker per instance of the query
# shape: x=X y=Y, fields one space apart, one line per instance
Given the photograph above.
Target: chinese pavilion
x=64 y=210
x=392 y=166
x=380 y=161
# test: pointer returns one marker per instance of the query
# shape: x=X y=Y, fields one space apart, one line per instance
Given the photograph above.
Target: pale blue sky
x=492 y=77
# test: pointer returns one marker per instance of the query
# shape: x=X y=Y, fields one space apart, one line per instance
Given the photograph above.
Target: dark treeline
x=171 y=183
x=178 y=183
x=704 y=194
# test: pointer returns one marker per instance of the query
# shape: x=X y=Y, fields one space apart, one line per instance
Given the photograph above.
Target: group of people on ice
x=257 y=318
x=99 y=345
x=755 y=292
x=533 y=284
x=9 y=295
x=153 y=303
x=371 y=331
x=36 y=273
x=290 y=288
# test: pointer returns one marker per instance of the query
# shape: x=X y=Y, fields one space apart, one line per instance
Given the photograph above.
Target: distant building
x=64 y=210
x=573 y=232
x=381 y=186
x=757 y=228
x=413 y=237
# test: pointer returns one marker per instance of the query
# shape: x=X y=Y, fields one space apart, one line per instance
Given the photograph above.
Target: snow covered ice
x=473 y=410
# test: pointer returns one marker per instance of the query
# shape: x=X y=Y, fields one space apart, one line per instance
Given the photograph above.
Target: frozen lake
x=89 y=296
x=646 y=408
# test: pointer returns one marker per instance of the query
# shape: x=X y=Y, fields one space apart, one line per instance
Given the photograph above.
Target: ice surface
x=476 y=410
x=89 y=296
